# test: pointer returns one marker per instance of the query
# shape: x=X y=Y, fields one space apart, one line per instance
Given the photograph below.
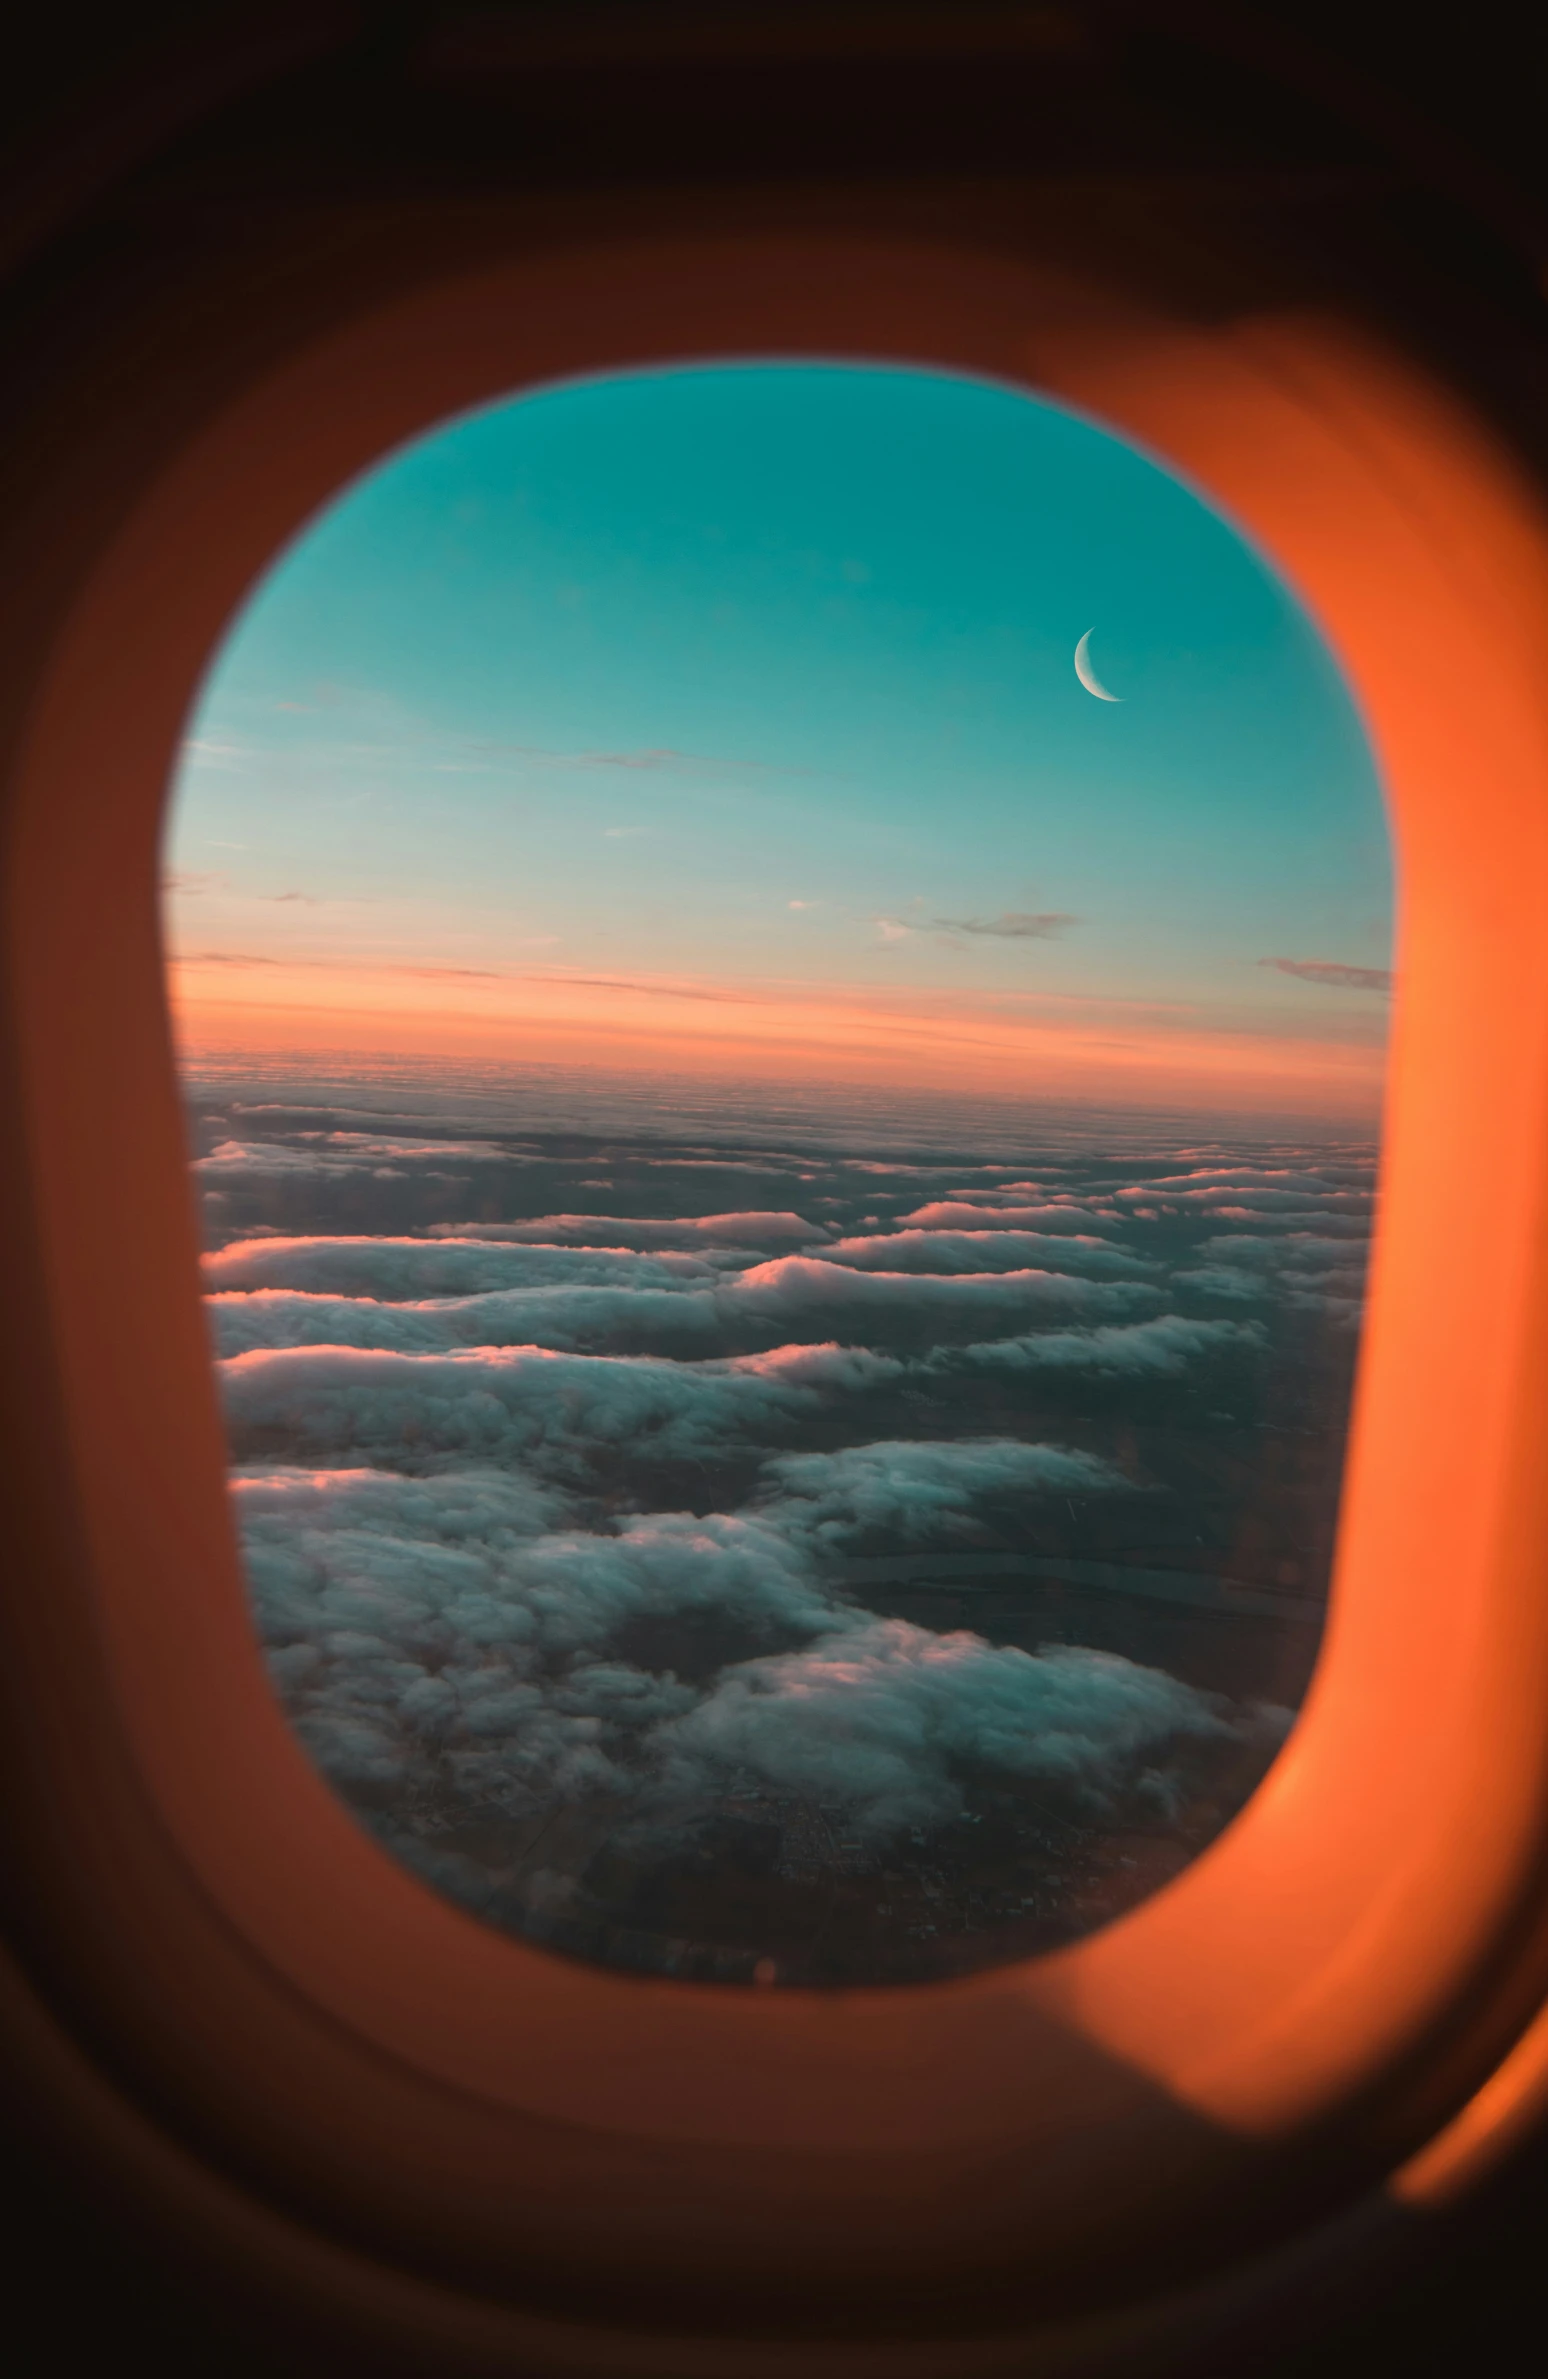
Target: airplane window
x=781 y=972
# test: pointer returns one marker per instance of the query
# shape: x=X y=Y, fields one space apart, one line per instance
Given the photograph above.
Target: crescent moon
x=1087 y=675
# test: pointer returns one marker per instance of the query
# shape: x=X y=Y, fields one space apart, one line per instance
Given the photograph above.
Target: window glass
x=781 y=975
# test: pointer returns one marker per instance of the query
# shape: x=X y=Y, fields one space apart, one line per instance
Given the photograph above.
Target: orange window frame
x=1335 y=1980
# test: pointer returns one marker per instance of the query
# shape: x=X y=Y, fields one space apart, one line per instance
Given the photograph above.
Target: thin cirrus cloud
x=1332 y=973
x=198 y=883
x=1013 y=925
x=650 y=760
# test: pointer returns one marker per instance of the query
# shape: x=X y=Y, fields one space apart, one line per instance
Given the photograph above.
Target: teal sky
x=765 y=673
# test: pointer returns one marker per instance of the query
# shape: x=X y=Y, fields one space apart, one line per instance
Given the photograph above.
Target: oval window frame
x=1325 y=1986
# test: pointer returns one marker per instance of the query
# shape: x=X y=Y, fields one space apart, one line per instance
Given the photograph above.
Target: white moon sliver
x=1087 y=675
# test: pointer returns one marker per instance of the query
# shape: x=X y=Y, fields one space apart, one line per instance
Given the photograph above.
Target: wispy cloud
x=1329 y=971
x=419 y=740
x=226 y=958
x=193 y=883
x=1012 y=925
x=720 y=995
x=652 y=759
x=213 y=753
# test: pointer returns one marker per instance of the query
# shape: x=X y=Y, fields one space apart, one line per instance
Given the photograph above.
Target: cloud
x=411 y=1268
x=888 y=1720
x=1307 y=1272
x=1336 y=976
x=1203 y=1178
x=780 y=1295
x=792 y=1289
x=1012 y=925
x=213 y=753
x=958 y=1213
x=910 y=1490
x=981 y=1251
x=1222 y=1280
x=1162 y=1348
x=338 y=1152
x=622 y=1320
x=773 y=1163
x=1347 y=1312
x=225 y=958
x=630 y=1305
x=1290 y=1220
x=1302 y=1222
x=492 y=1507
x=1263 y=1197
x=868 y=1164
x=433 y=1636
x=473 y=1560
x=1296 y=1248
x=296 y=1115
x=475 y=1628
x=525 y=1404
x=755 y=1228
x=649 y=759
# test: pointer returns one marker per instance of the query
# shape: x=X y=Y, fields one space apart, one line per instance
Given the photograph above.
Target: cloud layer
x=442 y=1632
x=756 y=1229
x=546 y=1513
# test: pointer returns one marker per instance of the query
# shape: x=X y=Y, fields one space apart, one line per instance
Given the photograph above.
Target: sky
x=723 y=721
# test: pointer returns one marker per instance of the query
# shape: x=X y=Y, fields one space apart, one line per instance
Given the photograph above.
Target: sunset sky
x=723 y=721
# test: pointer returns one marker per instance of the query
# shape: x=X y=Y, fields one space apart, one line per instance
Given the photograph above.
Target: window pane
x=781 y=974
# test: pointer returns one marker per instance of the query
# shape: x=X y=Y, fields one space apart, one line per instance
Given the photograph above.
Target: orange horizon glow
x=1104 y=1053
